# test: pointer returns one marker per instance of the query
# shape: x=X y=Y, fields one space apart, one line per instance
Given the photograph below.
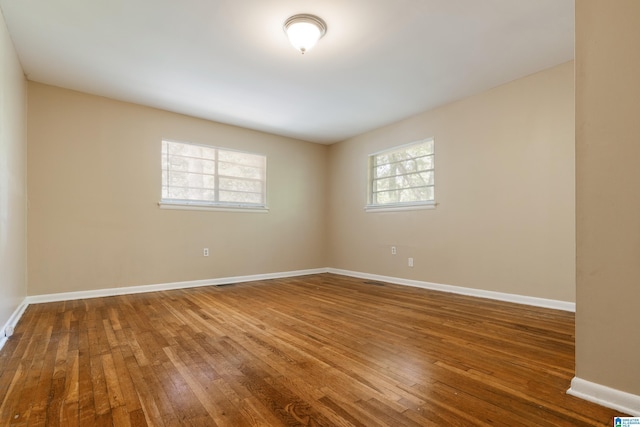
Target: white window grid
x=203 y=175
x=402 y=176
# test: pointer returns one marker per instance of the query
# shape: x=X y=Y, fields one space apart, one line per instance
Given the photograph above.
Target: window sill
x=396 y=208
x=207 y=207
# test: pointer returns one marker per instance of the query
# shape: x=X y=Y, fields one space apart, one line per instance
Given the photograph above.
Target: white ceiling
x=229 y=60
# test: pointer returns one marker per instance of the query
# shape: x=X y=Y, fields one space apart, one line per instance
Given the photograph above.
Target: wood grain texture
x=321 y=350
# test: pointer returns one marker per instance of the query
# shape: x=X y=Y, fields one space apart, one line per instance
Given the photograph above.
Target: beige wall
x=13 y=186
x=504 y=187
x=94 y=185
x=608 y=193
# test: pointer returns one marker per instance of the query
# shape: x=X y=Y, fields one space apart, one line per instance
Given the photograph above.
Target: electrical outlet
x=205 y=252
x=393 y=250
x=410 y=263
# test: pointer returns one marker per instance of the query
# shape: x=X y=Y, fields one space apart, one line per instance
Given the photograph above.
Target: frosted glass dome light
x=304 y=31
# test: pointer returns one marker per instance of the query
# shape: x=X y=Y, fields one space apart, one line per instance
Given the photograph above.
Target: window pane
x=407 y=195
x=237 y=170
x=418 y=179
x=177 y=193
x=190 y=164
x=242 y=158
x=208 y=153
x=424 y=163
x=429 y=146
x=240 y=185
x=236 y=197
x=387 y=184
x=387 y=197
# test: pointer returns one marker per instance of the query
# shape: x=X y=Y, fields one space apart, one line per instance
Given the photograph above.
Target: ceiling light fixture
x=304 y=31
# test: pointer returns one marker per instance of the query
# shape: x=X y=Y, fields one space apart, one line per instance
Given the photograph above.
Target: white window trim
x=201 y=206
x=394 y=207
x=401 y=207
x=197 y=205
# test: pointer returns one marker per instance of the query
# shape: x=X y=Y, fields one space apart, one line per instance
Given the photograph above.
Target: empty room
x=320 y=213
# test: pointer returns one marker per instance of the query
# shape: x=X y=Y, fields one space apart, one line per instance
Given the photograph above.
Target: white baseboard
x=12 y=322
x=69 y=296
x=519 y=299
x=605 y=396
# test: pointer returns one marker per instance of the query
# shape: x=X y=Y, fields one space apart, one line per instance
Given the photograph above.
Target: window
x=402 y=177
x=212 y=177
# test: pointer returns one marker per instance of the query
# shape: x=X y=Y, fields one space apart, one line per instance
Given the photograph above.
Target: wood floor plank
x=318 y=350
x=86 y=406
x=69 y=412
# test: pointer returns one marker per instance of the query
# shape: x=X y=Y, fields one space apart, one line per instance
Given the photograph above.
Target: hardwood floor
x=322 y=350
